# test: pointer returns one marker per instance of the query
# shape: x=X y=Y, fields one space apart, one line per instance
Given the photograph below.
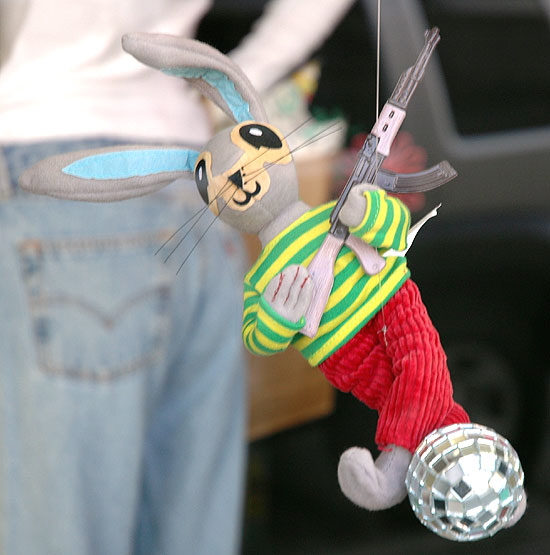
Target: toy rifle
x=367 y=170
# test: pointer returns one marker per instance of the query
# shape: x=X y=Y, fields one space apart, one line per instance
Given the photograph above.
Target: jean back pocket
x=99 y=307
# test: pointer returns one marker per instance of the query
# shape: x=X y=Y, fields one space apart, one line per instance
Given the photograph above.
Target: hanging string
x=378 y=27
x=378 y=33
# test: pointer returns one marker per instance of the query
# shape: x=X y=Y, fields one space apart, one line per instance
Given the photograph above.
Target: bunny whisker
x=321 y=135
x=285 y=137
x=197 y=217
x=305 y=122
x=195 y=245
x=198 y=214
x=188 y=255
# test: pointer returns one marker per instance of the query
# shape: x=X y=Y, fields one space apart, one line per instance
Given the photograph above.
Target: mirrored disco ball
x=465 y=482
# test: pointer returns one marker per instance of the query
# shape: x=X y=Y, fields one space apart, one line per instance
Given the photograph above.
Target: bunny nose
x=236 y=179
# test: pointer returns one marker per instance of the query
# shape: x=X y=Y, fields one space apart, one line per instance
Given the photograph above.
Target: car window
x=495 y=59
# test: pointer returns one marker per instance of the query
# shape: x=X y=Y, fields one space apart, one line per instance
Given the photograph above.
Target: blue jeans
x=122 y=384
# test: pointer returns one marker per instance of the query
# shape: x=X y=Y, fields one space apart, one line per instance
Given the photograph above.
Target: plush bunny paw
x=289 y=293
x=353 y=210
x=374 y=485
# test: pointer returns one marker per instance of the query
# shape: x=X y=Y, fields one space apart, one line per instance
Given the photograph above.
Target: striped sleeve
x=265 y=332
x=386 y=222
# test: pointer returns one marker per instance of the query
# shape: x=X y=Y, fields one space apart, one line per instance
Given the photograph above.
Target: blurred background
x=483 y=265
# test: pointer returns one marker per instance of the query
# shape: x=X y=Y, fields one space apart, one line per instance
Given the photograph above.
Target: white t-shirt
x=66 y=75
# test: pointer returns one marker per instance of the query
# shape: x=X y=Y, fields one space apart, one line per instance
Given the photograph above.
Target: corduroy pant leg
x=421 y=396
x=397 y=366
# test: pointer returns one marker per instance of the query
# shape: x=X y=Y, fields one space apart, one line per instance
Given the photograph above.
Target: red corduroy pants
x=401 y=373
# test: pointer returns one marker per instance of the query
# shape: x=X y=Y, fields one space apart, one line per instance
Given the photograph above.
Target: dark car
x=484 y=264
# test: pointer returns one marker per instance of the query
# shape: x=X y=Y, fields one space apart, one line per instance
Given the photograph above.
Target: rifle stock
x=322 y=275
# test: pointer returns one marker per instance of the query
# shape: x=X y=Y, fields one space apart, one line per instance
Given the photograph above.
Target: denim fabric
x=122 y=383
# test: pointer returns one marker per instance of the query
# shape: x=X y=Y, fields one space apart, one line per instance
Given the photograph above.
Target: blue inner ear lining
x=221 y=82
x=132 y=163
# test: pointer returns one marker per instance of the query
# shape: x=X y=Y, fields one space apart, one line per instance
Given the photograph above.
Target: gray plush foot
x=374 y=485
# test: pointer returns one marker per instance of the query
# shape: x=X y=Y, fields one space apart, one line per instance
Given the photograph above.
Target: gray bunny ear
x=109 y=174
x=214 y=74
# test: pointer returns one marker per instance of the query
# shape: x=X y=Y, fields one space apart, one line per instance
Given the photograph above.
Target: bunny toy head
x=245 y=173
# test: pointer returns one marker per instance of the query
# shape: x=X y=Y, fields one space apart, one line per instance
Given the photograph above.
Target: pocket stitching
x=38 y=302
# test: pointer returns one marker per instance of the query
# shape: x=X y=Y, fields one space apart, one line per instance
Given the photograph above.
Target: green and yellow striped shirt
x=355 y=296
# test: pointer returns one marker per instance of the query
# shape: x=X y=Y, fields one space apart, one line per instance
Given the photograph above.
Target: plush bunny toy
x=375 y=338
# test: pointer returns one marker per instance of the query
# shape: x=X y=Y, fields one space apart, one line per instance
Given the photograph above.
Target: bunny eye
x=259 y=135
x=201 y=180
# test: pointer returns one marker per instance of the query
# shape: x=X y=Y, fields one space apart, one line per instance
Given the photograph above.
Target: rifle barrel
x=410 y=78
